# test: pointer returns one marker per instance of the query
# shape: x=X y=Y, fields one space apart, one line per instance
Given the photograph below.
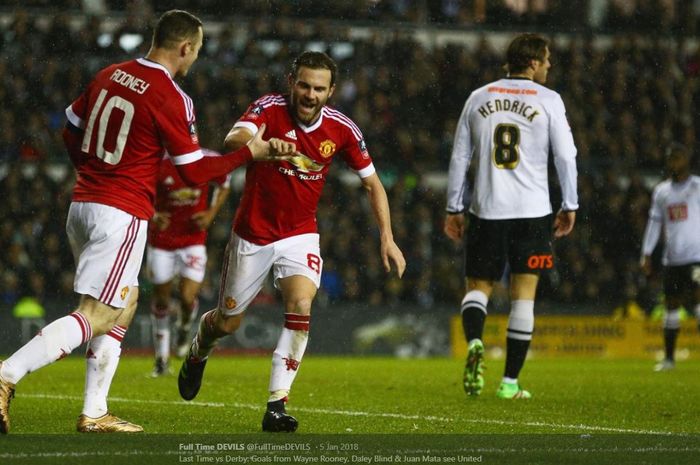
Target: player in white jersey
x=509 y=127
x=675 y=209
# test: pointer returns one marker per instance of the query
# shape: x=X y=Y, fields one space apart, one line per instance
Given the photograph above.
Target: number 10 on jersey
x=103 y=122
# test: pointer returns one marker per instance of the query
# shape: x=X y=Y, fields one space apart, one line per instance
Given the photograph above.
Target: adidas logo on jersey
x=291 y=134
x=169 y=181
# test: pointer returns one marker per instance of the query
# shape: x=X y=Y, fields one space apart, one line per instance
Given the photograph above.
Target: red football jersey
x=280 y=198
x=130 y=113
x=181 y=201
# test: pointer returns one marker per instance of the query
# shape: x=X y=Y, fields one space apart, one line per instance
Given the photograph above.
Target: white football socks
x=102 y=359
x=288 y=354
x=521 y=320
x=53 y=342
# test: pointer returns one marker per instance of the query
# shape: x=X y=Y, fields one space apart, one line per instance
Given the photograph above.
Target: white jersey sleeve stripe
x=263 y=100
x=344 y=117
x=273 y=103
x=74 y=119
x=366 y=171
x=189 y=107
x=344 y=120
x=358 y=136
x=252 y=127
x=269 y=100
x=186 y=158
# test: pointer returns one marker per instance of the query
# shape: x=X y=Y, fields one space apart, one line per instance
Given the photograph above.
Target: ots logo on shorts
x=230 y=303
x=327 y=148
x=540 y=262
x=124 y=292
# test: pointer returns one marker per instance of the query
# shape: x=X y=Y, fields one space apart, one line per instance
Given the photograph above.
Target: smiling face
x=310 y=89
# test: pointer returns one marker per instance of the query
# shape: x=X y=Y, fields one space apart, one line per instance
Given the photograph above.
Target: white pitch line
x=355 y=413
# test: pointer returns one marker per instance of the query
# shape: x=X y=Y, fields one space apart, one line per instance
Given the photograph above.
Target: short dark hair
x=676 y=148
x=175 y=26
x=523 y=49
x=314 y=60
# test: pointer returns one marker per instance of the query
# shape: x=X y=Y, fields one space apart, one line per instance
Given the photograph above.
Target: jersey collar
x=153 y=64
x=313 y=127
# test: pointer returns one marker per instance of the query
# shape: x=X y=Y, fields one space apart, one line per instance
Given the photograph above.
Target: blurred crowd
x=658 y=16
x=628 y=95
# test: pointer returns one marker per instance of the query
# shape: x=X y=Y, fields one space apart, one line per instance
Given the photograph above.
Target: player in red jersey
x=275 y=225
x=177 y=236
x=116 y=133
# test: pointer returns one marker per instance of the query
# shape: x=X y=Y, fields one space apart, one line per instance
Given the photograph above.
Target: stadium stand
x=407 y=69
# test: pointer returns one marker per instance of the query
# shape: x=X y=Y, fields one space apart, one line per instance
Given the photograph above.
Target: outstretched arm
x=237 y=137
x=380 y=206
x=255 y=149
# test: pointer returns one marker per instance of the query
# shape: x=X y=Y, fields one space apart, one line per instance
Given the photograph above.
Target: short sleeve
x=255 y=114
x=76 y=111
x=355 y=153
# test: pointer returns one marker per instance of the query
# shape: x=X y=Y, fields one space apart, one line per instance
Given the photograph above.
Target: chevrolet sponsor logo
x=305 y=164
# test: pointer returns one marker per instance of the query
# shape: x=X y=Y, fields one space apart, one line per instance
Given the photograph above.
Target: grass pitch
x=619 y=407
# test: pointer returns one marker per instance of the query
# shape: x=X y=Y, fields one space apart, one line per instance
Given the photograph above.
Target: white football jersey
x=677 y=207
x=509 y=126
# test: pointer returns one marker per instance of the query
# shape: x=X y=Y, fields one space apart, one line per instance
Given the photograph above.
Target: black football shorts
x=524 y=243
x=680 y=281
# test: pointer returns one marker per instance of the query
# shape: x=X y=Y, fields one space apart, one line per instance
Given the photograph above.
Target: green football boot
x=473 y=370
x=512 y=391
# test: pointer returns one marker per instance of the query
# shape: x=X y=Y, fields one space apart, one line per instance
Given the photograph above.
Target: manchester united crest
x=230 y=303
x=124 y=292
x=327 y=148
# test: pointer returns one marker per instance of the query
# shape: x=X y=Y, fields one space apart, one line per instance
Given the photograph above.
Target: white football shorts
x=107 y=245
x=188 y=262
x=246 y=266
